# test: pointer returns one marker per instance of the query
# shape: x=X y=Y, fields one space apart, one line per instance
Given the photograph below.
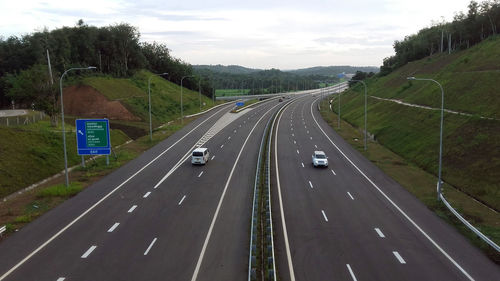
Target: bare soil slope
x=85 y=101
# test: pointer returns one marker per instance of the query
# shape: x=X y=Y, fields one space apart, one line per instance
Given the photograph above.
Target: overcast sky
x=259 y=34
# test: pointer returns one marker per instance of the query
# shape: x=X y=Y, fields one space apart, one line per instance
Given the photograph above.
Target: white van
x=200 y=156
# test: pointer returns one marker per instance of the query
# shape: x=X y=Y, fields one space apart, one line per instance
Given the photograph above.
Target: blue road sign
x=240 y=103
x=92 y=137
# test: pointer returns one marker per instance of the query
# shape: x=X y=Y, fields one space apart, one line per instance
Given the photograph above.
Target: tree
x=32 y=87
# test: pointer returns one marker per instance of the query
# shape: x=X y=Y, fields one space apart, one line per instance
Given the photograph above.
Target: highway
x=161 y=218
x=350 y=221
x=156 y=218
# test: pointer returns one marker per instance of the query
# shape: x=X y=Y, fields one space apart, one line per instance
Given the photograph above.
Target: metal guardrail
x=470 y=226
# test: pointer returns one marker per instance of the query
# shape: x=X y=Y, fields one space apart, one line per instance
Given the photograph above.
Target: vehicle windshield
x=320 y=156
x=197 y=153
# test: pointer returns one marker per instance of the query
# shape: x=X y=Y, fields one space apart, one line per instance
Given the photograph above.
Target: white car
x=200 y=156
x=319 y=159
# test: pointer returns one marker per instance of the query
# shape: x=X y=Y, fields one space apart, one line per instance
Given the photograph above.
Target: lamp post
x=149 y=99
x=182 y=110
x=338 y=94
x=62 y=117
x=365 y=106
x=440 y=132
x=199 y=91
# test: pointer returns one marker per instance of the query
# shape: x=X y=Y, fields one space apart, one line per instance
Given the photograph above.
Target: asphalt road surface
x=161 y=218
x=350 y=221
x=156 y=218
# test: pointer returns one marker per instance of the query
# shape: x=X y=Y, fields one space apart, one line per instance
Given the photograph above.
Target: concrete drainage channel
x=261 y=265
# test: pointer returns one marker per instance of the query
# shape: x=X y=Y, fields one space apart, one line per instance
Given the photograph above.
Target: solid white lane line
x=379 y=232
x=212 y=157
x=61 y=279
x=310 y=184
x=350 y=195
x=222 y=146
x=298 y=151
x=180 y=202
x=2 y=277
x=113 y=227
x=89 y=251
x=147 y=194
x=333 y=172
x=282 y=212
x=200 y=174
x=392 y=203
x=150 y=246
x=132 y=209
x=324 y=215
x=302 y=165
x=351 y=272
x=398 y=256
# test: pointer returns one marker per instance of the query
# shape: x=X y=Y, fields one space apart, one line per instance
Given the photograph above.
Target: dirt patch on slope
x=85 y=101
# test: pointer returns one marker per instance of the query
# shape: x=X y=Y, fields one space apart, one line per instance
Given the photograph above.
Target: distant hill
x=232 y=69
x=333 y=70
x=317 y=70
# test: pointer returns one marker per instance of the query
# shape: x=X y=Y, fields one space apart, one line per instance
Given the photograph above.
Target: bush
x=60 y=190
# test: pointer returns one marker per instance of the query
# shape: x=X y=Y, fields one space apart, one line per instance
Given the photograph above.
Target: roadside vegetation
x=405 y=139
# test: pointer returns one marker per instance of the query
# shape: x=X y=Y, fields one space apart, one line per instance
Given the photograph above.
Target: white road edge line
x=392 y=202
x=283 y=222
x=210 y=229
x=200 y=174
x=398 y=256
x=333 y=172
x=379 y=232
x=350 y=195
x=310 y=184
x=351 y=272
x=150 y=246
x=132 y=209
x=89 y=251
x=113 y=227
x=147 y=194
x=100 y=201
x=180 y=202
x=324 y=215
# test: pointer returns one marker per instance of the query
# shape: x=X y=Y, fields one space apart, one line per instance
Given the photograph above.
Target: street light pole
x=199 y=91
x=365 y=106
x=439 y=185
x=182 y=110
x=149 y=99
x=62 y=117
x=338 y=94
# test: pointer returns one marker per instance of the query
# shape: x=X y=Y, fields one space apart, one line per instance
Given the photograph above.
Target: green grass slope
x=471 y=145
x=32 y=153
x=165 y=96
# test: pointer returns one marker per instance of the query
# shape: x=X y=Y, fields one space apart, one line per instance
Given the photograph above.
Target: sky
x=261 y=34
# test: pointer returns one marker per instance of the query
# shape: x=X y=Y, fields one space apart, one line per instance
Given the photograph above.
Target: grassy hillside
x=471 y=79
x=165 y=96
x=34 y=152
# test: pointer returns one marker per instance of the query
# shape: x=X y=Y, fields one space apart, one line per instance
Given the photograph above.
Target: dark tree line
x=481 y=21
x=115 y=50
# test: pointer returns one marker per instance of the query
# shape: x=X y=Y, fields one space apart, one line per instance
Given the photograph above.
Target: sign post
x=92 y=137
